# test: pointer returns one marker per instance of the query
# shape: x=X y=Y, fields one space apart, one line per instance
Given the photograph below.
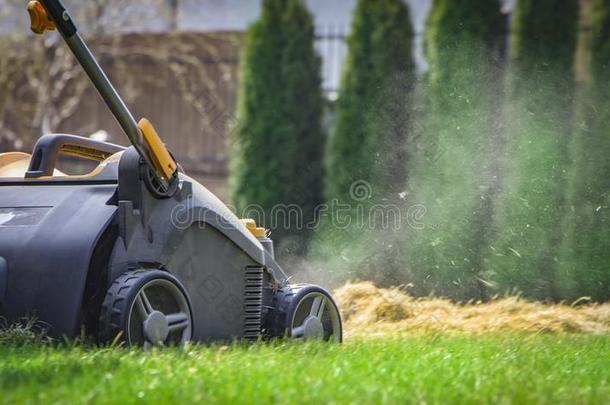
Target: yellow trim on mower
x=85 y=153
x=255 y=230
x=87 y=176
x=162 y=160
x=14 y=165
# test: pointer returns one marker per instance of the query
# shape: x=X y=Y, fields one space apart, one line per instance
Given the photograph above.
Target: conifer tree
x=277 y=148
x=374 y=102
x=451 y=165
x=366 y=165
x=531 y=206
x=585 y=256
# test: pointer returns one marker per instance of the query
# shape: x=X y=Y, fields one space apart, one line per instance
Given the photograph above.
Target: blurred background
x=456 y=148
x=202 y=37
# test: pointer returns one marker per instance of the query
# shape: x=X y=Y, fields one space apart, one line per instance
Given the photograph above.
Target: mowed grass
x=571 y=369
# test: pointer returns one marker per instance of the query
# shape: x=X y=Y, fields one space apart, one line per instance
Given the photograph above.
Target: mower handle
x=145 y=141
x=49 y=147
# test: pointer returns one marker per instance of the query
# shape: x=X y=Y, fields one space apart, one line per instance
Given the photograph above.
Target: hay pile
x=369 y=310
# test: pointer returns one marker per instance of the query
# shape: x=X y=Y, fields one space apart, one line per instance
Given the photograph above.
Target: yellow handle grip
x=165 y=164
x=39 y=19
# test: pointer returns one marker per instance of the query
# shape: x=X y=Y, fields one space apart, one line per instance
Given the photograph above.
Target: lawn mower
x=136 y=251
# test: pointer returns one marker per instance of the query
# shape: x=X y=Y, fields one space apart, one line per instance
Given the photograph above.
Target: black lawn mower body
x=63 y=244
x=102 y=253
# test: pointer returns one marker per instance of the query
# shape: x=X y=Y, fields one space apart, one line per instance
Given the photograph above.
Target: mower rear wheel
x=146 y=308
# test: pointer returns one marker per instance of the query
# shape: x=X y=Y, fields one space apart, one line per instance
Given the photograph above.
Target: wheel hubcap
x=313 y=328
x=316 y=318
x=156 y=327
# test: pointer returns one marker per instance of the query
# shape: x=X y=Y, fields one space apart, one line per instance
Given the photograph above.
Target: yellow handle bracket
x=163 y=161
x=39 y=19
x=255 y=230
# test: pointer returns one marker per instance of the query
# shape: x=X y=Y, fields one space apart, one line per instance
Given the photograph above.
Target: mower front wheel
x=307 y=312
x=146 y=308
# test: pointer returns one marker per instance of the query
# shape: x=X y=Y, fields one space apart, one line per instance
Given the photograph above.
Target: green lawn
x=432 y=369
